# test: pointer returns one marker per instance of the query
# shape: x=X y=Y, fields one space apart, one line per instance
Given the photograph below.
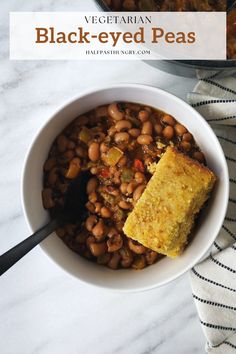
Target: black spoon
x=73 y=210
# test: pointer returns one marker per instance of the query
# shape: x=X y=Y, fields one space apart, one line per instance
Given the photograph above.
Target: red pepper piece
x=104 y=173
x=138 y=165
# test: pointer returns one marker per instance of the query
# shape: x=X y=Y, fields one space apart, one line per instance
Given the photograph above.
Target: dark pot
x=187 y=68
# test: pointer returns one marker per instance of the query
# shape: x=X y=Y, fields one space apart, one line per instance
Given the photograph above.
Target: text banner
x=99 y=36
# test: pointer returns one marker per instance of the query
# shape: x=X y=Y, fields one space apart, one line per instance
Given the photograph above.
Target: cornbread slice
x=164 y=215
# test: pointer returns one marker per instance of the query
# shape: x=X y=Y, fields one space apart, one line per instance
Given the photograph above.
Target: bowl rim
x=178 y=100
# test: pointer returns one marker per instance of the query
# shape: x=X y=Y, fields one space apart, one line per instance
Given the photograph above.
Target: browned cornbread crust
x=164 y=215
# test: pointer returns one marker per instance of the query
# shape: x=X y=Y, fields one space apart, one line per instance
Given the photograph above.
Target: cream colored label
x=117 y=36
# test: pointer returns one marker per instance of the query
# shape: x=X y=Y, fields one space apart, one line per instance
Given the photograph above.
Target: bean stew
x=231 y=30
x=117 y=143
x=167 y=5
x=182 y=5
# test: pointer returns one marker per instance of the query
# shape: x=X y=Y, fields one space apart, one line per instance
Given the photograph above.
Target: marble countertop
x=44 y=310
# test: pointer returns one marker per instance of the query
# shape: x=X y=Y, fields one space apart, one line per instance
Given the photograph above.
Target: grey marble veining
x=42 y=309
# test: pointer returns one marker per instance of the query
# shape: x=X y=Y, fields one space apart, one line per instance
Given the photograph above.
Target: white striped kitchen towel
x=214 y=280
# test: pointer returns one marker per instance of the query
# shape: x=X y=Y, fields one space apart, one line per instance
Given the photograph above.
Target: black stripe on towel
x=213 y=303
x=211 y=76
x=219 y=86
x=211 y=281
x=217 y=246
x=226 y=342
x=221 y=119
x=234 y=247
x=232 y=180
x=210 y=325
x=230 y=219
x=230 y=344
x=230 y=159
x=222 y=265
x=226 y=139
x=203 y=103
x=232 y=200
x=229 y=232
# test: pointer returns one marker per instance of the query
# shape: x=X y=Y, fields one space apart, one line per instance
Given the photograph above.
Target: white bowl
x=167 y=269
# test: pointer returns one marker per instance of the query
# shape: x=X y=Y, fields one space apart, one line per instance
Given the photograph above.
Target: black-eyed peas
x=187 y=137
x=144 y=139
x=123 y=125
x=104 y=258
x=139 y=177
x=103 y=147
x=60 y=232
x=70 y=229
x=166 y=5
x=90 y=207
x=198 y=155
x=101 y=112
x=105 y=212
x=62 y=142
x=71 y=145
x=114 y=112
x=74 y=168
x=98 y=249
x=68 y=155
x=158 y=128
x=147 y=128
x=90 y=222
x=131 y=187
x=114 y=243
x=94 y=151
x=112 y=231
x=139 y=263
x=122 y=137
x=49 y=164
x=99 y=230
x=134 y=132
x=92 y=197
x=169 y=120
x=116 y=143
x=111 y=131
x=129 y=5
x=124 y=205
x=168 y=132
x=114 y=261
x=53 y=176
x=123 y=161
x=143 y=115
x=185 y=145
x=89 y=240
x=81 y=238
x=113 y=191
x=136 y=247
x=123 y=187
x=48 y=201
x=151 y=257
x=82 y=120
x=180 y=129
x=98 y=207
x=92 y=185
x=138 y=192
x=182 y=5
x=127 y=257
x=79 y=151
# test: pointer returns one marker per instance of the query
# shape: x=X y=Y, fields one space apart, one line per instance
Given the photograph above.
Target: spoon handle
x=8 y=259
